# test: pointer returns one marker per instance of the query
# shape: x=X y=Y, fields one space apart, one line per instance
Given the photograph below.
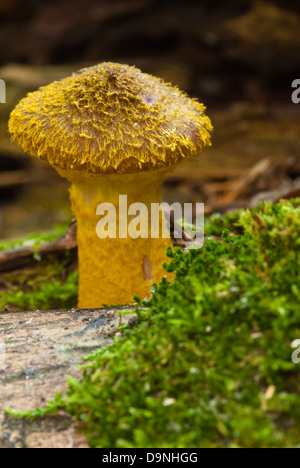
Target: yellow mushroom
x=112 y=130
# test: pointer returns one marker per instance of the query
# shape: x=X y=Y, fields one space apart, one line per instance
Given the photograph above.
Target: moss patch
x=209 y=364
x=44 y=286
x=35 y=239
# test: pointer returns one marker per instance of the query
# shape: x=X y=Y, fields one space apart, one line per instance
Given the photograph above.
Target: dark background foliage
x=227 y=49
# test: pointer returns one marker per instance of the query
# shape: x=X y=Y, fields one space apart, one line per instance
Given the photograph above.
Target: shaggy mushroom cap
x=108 y=119
x=113 y=122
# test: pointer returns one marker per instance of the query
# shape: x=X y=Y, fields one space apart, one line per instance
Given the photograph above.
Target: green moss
x=56 y=287
x=48 y=285
x=35 y=239
x=217 y=223
x=209 y=363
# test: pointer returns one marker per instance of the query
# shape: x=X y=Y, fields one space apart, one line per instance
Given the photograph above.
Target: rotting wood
x=41 y=349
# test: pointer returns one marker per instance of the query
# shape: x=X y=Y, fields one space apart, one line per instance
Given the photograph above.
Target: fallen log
x=37 y=350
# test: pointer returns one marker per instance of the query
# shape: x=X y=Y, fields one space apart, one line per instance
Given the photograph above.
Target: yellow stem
x=113 y=270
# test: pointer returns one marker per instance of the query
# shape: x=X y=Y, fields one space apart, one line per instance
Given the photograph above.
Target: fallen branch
x=237 y=188
x=15 y=259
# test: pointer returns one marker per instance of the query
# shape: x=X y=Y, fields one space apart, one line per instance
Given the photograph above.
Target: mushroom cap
x=110 y=118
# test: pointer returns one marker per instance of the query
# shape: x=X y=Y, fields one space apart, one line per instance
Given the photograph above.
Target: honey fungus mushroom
x=112 y=130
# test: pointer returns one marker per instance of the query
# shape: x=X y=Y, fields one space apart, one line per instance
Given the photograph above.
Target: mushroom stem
x=113 y=270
